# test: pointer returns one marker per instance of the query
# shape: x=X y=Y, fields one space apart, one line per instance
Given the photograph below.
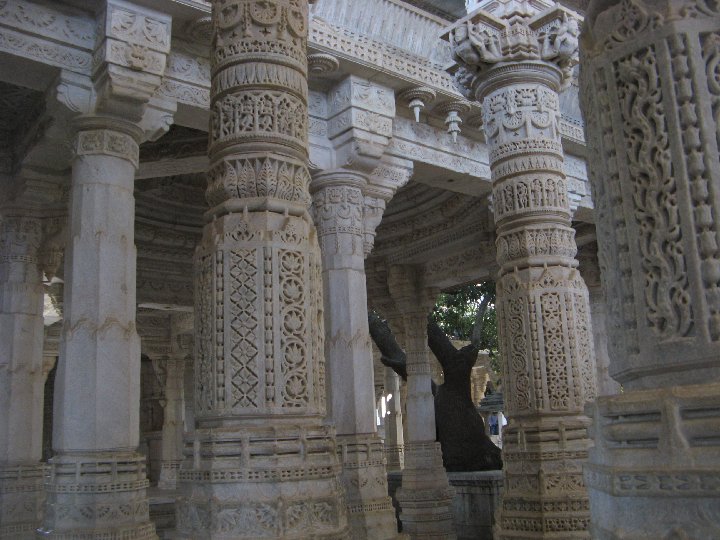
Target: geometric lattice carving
x=243 y=328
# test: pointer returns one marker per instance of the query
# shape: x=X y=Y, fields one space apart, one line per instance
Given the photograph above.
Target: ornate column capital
x=338 y=212
x=107 y=136
x=500 y=35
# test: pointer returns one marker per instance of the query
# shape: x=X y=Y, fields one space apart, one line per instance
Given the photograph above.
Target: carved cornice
x=54 y=35
x=351 y=46
x=427 y=144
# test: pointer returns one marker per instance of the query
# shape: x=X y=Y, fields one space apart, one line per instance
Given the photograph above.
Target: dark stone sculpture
x=460 y=429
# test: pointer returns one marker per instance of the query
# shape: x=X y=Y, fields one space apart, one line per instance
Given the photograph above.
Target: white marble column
x=394 y=441
x=590 y=271
x=97 y=482
x=338 y=210
x=21 y=375
x=172 y=430
x=425 y=495
x=174 y=389
x=545 y=334
x=651 y=97
x=264 y=462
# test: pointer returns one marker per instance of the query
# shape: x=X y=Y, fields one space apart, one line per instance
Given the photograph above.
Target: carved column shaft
x=96 y=415
x=651 y=98
x=514 y=61
x=181 y=343
x=338 y=203
x=394 y=440
x=264 y=462
x=425 y=495
x=543 y=311
x=338 y=211
x=21 y=375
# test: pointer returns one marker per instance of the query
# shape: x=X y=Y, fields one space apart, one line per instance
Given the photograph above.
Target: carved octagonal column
x=338 y=207
x=425 y=495
x=651 y=97
x=21 y=375
x=97 y=479
x=514 y=62
x=264 y=464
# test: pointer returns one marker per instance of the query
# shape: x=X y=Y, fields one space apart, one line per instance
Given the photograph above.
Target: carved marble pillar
x=397 y=326
x=338 y=204
x=425 y=495
x=21 y=375
x=516 y=72
x=394 y=441
x=651 y=98
x=264 y=463
x=174 y=408
x=590 y=271
x=97 y=483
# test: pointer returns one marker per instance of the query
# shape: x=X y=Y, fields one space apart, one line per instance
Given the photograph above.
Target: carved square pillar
x=650 y=94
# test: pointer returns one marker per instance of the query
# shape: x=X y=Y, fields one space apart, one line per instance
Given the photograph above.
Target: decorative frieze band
x=107 y=142
x=653 y=483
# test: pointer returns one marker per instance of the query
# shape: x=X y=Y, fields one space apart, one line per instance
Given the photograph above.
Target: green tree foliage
x=468 y=313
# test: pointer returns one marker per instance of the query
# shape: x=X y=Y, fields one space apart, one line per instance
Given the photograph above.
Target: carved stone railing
x=381 y=20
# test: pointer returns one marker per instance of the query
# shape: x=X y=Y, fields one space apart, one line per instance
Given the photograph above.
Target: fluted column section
x=338 y=209
x=651 y=99
x=21 y=375
x=97 y=484
x=263 y=463
x=425 y=495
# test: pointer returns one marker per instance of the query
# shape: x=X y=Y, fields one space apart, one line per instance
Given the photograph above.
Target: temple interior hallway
x=201 y=201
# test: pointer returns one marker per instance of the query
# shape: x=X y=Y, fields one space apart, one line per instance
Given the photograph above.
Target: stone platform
x=477 y=496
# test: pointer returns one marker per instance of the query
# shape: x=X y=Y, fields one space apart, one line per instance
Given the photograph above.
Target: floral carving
x=258 y=177
x=669 y=310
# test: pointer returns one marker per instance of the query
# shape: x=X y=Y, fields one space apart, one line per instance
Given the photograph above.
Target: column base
x=97 y=496
x=277 y=482
x=395 y=457
x=653 y=472
x=169 y=474
x=425 y=495
x=364 y=477
x=22 y=496
x=544 y=495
